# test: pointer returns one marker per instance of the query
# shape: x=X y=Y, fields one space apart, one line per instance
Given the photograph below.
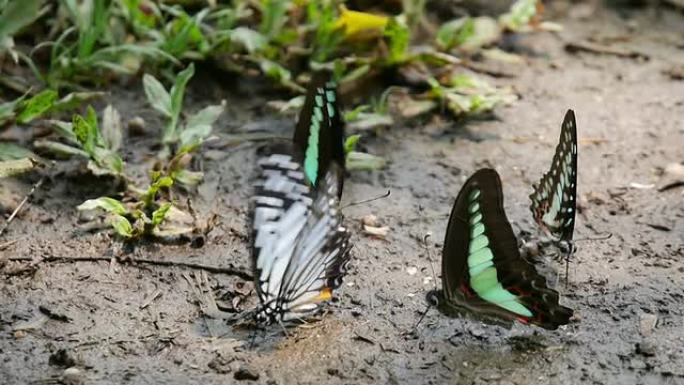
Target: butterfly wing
x=299 y=247
x=320 y=257
x=554 y=198
x=482 y=270
x=319 y=134
x=282 y=202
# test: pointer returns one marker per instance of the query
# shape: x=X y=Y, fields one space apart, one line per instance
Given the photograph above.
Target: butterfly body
x=300 y=248
x=483 y=274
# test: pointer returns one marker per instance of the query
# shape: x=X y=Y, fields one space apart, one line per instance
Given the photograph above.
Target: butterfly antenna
x=383 y=196
x=434 y=276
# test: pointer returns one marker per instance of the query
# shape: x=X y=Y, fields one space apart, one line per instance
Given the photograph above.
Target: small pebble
x=136 y=126
x=245 y=373
x=647 y=348
x=72 y=376
x=647 y=322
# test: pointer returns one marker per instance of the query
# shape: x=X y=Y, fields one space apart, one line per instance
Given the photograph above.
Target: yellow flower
x=360 y=25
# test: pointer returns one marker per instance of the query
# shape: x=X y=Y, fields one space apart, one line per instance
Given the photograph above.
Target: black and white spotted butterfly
x=554 y=200
x=300 y=248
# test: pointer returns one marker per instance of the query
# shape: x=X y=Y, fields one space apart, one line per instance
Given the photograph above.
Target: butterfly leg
x=282 y=325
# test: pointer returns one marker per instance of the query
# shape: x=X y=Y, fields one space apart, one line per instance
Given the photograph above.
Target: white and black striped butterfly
x=300 y=248
x=554 y=200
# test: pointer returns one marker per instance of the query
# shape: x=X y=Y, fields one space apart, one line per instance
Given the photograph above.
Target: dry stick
x=212 y=269
x=7 y=244
x=605 y=50
x=23 y=202
x=481 y=68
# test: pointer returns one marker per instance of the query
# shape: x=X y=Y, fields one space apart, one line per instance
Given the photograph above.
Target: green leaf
x=121 y=225
x=59 y=149
x=251 y=40
x=86 y=132
x=176 y=222
x=7 y=110
x=178 y=89
x=198 y=126
x=399 y=38
x=185 y=37
x=350 y=143
x=109 y=205
x=364 y=161
x=188 y=178
x=157 y=95
x=159 y=214
x=280 y=74
x=151 y=193
x=370 y=120
x=520 y=14
x=322 y=15
x=16 y=166
x=170 y=134
x=139 y=18
x=75 y=100
x=12 y=151
x=455 y=32
x=354 y=114
x=36 y=106
x=356 y=73
x=273 y=17
x=18 y=14
x=111 y=128
x=109 y=161
x=64 y=129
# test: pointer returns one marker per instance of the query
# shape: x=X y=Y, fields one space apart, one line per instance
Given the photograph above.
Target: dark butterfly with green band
x=483 y=274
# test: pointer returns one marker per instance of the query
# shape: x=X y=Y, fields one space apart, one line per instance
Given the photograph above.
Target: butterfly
x=319 y=134
x=300 y=248
x=554 y=199
x=483 y=273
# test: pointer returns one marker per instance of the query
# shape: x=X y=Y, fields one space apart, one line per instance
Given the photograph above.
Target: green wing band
x=311 y=155
x=483 y=275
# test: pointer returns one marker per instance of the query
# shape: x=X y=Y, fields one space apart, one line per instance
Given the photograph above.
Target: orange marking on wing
x=324 y=295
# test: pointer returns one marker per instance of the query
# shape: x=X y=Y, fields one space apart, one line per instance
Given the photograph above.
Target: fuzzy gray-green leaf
x=157 y=95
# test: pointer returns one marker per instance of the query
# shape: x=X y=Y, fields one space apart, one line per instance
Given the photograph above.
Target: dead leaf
x=372 y=226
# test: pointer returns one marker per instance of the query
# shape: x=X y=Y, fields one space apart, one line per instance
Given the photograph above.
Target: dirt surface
x=117 y=322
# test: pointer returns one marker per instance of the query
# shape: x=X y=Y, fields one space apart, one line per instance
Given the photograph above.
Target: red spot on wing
x=465 y=289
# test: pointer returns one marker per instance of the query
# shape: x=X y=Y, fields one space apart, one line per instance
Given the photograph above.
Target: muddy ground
x=120 y=322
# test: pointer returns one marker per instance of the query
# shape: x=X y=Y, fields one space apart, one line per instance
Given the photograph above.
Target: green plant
x=88 y=47
x=465 y=94
x=170 y=103
x=135 y=219
x=84 y=137
x=16 y=15
x=520 y=15
x=41 y=105
x=148 y=213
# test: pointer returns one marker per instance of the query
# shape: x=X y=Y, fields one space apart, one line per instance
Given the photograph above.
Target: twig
x=194 y=266
x=23 y=202
x=157 y=294
x=604 y=50
x=484 y=69
x=7 y=244
x=672 y=185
